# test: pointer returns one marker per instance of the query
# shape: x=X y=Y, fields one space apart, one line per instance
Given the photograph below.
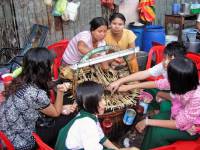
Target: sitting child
x=84 y=131
x=182 y=122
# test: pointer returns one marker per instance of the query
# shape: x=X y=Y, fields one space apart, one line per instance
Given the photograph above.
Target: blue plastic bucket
x=138 y=31
x=153 y=33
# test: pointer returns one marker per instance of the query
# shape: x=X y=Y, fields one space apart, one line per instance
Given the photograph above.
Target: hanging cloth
x=147 y=10
x=108 y=3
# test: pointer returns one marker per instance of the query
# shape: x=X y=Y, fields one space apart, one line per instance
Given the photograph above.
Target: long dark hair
x=88 y=95
x=36 y=69
x=182 y=75
x=97 y=22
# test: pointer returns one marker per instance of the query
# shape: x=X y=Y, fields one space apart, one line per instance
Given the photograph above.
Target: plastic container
x=189 y=34
x=7 y=78
x=144 y=105
x=176 y=8
x=153 y=33
x=138 y=30
x=129 y=116
x=142 y=60
x=107 y=125
x=193 y=46
x=170 y=38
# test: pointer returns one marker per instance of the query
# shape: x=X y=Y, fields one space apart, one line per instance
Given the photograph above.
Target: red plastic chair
x=158 y=51
x=196 y=58
x=59 y=48
x=6 y=141
x=181 y=145
x=40 y=143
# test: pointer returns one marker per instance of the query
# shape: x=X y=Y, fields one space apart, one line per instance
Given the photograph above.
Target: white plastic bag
x=71 y=12
x=48 y=2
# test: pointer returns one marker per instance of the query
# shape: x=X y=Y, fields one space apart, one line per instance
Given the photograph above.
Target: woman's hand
x=63 y=87
x=140 y=126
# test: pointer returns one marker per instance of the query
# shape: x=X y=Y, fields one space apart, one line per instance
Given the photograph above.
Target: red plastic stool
x=40 y=143
x=158 y=51
x=58 y=48
x=6 y=141
x=181 y=145
x=196 y=58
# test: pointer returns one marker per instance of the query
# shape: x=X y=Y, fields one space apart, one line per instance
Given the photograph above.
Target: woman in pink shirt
x=183 y=120
x=85 y=41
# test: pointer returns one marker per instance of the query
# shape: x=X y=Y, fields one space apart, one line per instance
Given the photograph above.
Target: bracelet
x=146 y=121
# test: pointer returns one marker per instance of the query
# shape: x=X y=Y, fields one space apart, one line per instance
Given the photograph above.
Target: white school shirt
x=72 y=54
x=85 y=133
x=158 y=70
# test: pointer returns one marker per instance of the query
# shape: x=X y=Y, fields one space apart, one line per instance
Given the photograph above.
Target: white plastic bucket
x=189 y=35
x=170 y=38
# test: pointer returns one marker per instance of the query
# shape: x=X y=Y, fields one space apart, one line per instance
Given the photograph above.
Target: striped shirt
x=72 y=55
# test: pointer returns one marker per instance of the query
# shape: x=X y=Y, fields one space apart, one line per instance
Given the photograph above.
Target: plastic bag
x=48 y=2
x=59 y=7
x=71 y=12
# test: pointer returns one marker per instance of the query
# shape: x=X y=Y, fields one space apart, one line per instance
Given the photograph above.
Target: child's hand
x=140 y=126
x=113 y=86
x=68 y=109
x=158 y=99
x=124 y=88
x=63 y=87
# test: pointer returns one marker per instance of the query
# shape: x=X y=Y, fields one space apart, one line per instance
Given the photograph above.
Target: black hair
x=117 y=15
x=88 y=96
x=182 y=75
x=176 y=49
x=97 y=22
x=36 y=69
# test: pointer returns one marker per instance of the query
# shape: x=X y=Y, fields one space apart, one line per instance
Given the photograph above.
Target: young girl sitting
x=27 y=96
x=171 y=51
x=182 y=122
x=84 y=131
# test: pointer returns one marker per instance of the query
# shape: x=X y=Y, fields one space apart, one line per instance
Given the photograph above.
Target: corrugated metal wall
x=29 y=12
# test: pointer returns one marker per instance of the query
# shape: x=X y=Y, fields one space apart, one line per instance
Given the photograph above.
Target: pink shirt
x=185 y=108
x=72 y=54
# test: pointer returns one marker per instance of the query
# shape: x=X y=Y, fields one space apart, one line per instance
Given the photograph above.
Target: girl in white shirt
x=84 y=131
x=172 y=50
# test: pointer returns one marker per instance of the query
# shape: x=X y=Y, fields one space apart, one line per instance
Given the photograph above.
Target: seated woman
x=180 y=123
x=118 y=36
x=84 y=131
x=85 y=41
x=27 y=96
